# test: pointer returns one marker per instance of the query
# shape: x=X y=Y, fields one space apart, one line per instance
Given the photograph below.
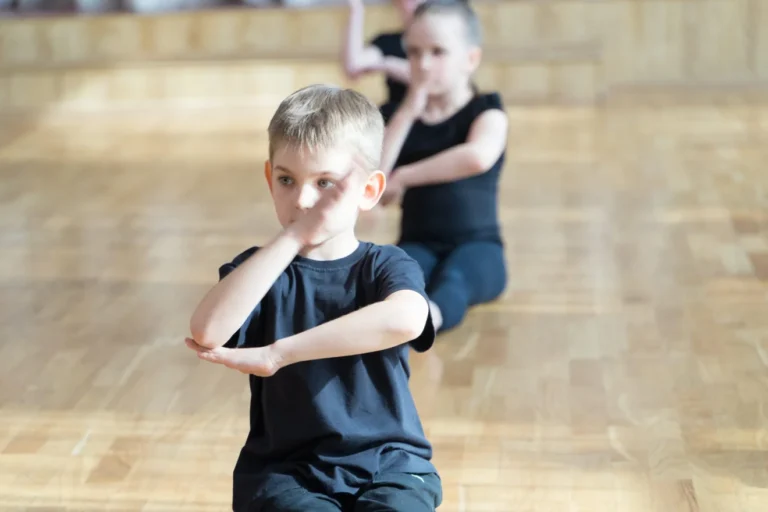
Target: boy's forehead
x=306 y=160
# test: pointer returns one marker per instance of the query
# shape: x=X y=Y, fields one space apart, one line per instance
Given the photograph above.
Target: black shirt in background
x=454 y=212
x=391 y=45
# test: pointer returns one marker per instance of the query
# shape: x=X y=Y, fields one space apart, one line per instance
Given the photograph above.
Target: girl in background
x=445 y=145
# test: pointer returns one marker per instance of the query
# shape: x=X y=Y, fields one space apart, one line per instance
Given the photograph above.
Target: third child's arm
x=398 y=319
x=485 y=143
x=359 y=58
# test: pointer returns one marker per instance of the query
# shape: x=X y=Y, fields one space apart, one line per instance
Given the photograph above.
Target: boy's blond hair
x=325 y=116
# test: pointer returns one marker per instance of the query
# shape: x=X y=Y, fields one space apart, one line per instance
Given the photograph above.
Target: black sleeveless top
x=458 y=211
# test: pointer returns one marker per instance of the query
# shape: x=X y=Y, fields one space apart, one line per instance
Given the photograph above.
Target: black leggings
x=389 y=492
x=460 y=276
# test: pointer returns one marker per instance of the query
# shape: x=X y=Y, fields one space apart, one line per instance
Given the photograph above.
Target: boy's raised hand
x=318 y=223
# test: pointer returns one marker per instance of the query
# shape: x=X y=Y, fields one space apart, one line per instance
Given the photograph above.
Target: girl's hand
x=394 y=190
x=416 y=98
x=259 y=361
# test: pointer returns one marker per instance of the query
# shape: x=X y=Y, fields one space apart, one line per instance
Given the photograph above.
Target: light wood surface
x=536 y=51
x=625 y=368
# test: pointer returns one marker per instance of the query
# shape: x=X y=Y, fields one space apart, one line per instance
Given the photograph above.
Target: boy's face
x=297 y=179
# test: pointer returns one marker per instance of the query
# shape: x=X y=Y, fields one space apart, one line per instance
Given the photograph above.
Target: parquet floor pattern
x=625 y=368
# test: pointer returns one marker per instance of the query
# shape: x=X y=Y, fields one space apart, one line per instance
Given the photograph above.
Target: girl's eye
x=325 y=183
x=284 y=180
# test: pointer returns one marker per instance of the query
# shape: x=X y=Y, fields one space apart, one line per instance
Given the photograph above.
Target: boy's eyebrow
x=335 y=174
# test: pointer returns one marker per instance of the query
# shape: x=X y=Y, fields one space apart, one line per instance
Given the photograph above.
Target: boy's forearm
x=376 y=327
x=453 y=164
x=394 y=137
x=227 y=305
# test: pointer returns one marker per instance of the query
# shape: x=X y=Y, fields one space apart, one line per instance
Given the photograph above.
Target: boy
x=321 y=322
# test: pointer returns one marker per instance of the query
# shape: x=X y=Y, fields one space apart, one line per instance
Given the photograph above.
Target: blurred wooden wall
x=556 y=51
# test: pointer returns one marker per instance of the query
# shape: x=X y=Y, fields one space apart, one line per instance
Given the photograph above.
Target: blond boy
x=322 y=323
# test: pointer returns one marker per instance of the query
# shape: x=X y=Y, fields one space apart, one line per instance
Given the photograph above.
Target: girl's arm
x=486 y=142
x=400 y=124
x=395 y=134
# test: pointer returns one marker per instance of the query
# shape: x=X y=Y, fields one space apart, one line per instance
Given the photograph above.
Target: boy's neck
x=445 y=105
x=334 y=248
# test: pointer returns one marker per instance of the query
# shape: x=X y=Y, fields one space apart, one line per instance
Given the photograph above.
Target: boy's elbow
x=411 y=317
x=202 y=334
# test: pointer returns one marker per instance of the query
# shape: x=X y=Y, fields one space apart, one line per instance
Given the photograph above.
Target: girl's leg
x=470 y=274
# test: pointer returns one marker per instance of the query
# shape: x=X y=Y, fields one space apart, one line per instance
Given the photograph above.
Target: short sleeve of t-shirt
x=238 y=339
x=395 y=272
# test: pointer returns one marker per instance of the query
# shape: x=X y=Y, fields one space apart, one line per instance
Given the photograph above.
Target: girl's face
x=438 y=52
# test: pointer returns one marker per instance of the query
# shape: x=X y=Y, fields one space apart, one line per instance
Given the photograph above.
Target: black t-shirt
x=391 y=45
x=331 y=423
x=454 y=212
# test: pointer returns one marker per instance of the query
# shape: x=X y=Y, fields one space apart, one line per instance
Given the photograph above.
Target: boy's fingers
x=218 y=355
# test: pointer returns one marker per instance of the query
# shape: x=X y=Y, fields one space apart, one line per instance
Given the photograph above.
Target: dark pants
x=460 y=276
x=397 y=492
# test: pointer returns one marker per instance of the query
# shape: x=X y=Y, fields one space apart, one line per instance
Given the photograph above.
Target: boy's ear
x=374 y=188
x=268 y=174
x=475 y=56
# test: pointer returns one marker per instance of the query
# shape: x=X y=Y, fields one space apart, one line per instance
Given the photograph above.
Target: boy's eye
x=325 y=183
x=284 y=180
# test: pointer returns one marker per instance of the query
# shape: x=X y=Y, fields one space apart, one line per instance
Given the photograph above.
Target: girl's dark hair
x=474 y=32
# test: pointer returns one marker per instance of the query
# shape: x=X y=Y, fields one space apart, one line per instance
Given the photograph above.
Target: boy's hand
x=316 y=225
x=259 y=361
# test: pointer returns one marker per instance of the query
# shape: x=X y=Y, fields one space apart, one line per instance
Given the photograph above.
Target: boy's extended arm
x=398 y=319
x=485 y=144
x=227 y=305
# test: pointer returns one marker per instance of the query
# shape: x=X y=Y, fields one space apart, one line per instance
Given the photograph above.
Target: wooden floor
x=625 y=369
